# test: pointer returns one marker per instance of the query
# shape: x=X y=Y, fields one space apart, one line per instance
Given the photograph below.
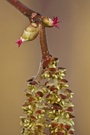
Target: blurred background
x=71 y=44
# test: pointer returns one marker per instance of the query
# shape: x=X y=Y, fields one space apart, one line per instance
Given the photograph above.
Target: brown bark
x=21 y=7
x=43 y=41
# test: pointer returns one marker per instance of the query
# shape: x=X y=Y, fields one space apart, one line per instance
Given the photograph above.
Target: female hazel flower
x=29 y=34
x=55 y=22
x=50 y=22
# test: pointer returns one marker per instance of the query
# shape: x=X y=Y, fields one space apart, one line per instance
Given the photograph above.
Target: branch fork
x=37 y=26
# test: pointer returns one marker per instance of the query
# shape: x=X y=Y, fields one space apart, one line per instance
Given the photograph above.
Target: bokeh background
x=71 y=44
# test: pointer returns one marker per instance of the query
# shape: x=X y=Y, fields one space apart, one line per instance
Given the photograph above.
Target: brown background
x=71 y=44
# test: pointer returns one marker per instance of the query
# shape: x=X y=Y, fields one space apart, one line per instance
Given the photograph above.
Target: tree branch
x=22 y=8
x=43 y=41
x=33 y=17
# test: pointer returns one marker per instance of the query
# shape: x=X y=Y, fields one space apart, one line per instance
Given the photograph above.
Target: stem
x=29 y=13
x=33 y=16
x=44 y=50
x=43 y=42
x=22 y=8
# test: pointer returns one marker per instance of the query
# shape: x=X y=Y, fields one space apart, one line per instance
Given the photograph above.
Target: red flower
x=19 y=42
x=55 y=22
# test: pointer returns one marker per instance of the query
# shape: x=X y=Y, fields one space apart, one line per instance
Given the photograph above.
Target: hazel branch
x=22 y=8
x=33 y=17
x=48 y=107
x=37 y=26
x=43 y=41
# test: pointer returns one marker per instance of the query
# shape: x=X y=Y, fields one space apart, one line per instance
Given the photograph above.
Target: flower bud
x=29 y=34
x=50 y=22
x=47 y=22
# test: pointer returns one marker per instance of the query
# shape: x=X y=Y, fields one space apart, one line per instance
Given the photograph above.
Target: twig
x=33 y=17
x=22 y=8
x=43 y=41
